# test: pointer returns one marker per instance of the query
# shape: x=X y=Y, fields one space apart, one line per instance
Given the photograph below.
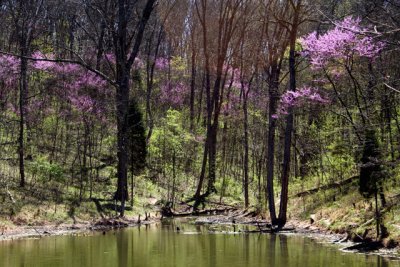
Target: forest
x=286 y=110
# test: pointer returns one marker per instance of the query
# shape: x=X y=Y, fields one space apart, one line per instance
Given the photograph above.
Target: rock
x=312 y=218
x=327 y=222
x=153 y=201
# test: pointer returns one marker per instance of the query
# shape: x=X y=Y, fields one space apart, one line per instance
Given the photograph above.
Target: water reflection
x=192 y=246
x=122 y=248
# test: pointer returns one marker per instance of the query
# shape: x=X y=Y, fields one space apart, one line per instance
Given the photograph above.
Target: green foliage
x=171 y=137
x=45 y=170
x=371 y=170
x=49 y=123
x=229 y=188
x=179 y=64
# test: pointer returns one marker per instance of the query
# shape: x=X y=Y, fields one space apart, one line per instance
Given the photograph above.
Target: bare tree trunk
x=124 y=62
x=173 y=178
x=274 y=72
x=122 y=98
x=192 y=87
x=206 y=154
x=22 y=107
x=224 y=160
x=246 y=150
x=150 y=83
x=289 y=120
x=202 y=176
x=377 y=215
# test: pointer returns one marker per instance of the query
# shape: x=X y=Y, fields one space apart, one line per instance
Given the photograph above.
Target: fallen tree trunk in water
x=272 y=230
x=168 y=212
x=366 y=246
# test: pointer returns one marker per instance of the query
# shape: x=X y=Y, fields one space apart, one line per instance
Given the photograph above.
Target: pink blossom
x=110 y=57
x=42 y=64
x=174 y=93
x=298 y=98
x=9 y=70
x=348 y=38
x=84 y=90
x=162 y=63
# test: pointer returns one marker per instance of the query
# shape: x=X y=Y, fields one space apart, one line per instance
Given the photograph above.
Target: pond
x=194 y=245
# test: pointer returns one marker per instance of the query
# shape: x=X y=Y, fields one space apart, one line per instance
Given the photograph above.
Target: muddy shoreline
x=28 y=232
x=305 y=229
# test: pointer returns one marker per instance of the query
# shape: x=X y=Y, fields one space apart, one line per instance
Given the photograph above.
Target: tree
x=216 y=43
x=372 y=173
x=25 y=16
x=137 y=142
x=276 y=41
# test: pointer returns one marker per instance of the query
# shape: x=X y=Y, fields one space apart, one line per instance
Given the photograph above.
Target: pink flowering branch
x=85 y=90
x=80 y=62
x=348 y=38
x=299 y=98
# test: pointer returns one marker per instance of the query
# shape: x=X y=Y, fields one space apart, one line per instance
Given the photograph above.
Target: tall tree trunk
x=22 y=108
x=197 y=195
x=213 y=132
x=289 y=121
x=273 y=74
x=124 y=62
x=224 y=160
x=192 y=88
x=173 y=178
x=150 y=82
x=122 y=102
x=246 y=151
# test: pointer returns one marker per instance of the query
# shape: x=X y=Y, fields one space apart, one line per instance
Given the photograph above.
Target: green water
x=161 y=245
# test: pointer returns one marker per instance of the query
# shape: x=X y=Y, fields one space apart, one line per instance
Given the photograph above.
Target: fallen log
x=272 y=230
x=366 y=246
x=111 y=223
x=168 y=212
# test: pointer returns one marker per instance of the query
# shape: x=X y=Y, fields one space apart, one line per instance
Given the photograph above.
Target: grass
x=58 y=204
x=347 y=211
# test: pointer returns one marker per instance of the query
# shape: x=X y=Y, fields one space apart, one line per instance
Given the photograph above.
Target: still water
x=162 y=245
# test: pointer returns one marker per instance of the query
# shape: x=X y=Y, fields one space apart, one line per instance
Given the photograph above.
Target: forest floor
x=34 y=219
x=12 y=230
